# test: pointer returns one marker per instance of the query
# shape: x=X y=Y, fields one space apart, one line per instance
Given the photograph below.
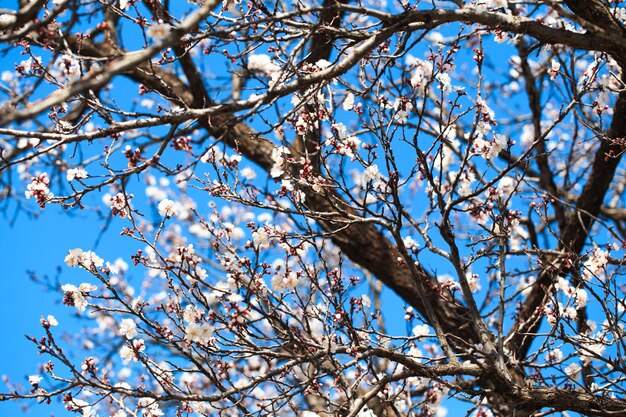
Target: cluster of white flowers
x=554 y=355
x=150 y=407
x=49 y=321
x=447 y=281
x=85 y=259
x=34 y=380
x=421 y=330
x=128 y=328
x=402 y=107
x=192 y=314
x=486 y=117
x=119 y=204
x=262 y=63
x=38 y=188
x=168 y=208
x=489 y=149
x=445 y=82
x=309 y=121
x=199 y=332
x=572 y=370
x=421 y=74
x=474 y=282
x=200 y=273
x=553 y=313
x=68 y=67
x=156 y=189
x=371 y=174
x=31 y=65
x=553 y=71
x=595 y=264
x=261 y=238
x=578 y=294
x=76 y=295
x=248 y=173
x=591 y=349
x=86 y=410
x=465 y=181
x=590 y=74
x=285 y=281
x=500 y=36
x=76 y=174
x=347 y=144
x=279 y=156
x=128 y=352
x=410 y=243
x=348 y=102
x=506 y=186
x=215 y=156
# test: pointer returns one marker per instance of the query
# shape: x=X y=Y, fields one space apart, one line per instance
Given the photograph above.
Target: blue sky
x=40 y=244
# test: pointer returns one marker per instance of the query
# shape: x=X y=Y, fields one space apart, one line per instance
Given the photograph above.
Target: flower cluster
x=38 y=188
x=167 y=208
x=595 y=264
x=75 y=296
x=120 y=205
x=283 y=281
x=87 y=259
x=280 y=158
x=489 y=149
x=76 y=174
x=132 y=350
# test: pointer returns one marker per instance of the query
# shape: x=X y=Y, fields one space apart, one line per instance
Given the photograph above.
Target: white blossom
x=38 y=188
x=348 y=102
x=474 y=282
x=34 y=379
x=282 y=282
x=128 y=328
x=421 y=330
x=85 y=259
x=198 y=332
x=553 y=71
x=555 y=355
x=262 y=63
x=572 y=369
x=445 y=82
x=76 y=295
x=581 y=297
x=595 y=264
x=261 y=238
x=506 y=186
x=76 y=174
x=279 y=156
x=128 y=352
x=167 y=208
x=410 y=244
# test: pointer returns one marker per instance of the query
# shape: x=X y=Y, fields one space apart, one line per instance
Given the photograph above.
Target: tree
x=460 y=159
